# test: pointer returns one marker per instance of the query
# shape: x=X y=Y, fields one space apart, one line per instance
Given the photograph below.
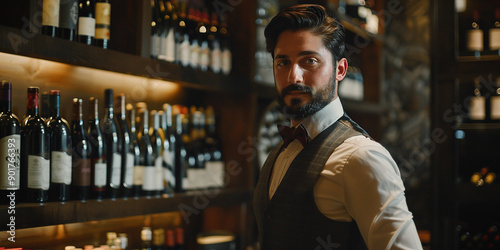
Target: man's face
x=304 y=73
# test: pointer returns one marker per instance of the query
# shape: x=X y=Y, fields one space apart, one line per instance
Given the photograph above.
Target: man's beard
x=318 y=101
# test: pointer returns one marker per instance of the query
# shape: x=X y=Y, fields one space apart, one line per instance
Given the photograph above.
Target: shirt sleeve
x=374 y=197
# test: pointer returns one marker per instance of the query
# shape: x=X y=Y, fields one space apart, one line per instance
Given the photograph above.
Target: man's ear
x=341 y=69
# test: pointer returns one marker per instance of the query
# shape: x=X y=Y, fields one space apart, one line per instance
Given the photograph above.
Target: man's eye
x=282 y=63
x=311 y=61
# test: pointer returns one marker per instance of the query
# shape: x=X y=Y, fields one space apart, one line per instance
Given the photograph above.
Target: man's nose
x=296 y=74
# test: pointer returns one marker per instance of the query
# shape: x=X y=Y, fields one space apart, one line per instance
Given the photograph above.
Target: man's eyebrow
x=302 y=53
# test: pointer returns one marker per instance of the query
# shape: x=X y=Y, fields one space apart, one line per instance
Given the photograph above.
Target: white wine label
x=495 y=107
x=60 y=167
x=159 y=175
x=100 y=174
x=129 y=170
x=149 y=183
x=475 y=40
x=155 y=45
x=38 y=172
x=194 y=54
x=168 y=158
x=226 y=62
x=494 y=38
x=117 y=170
x=184 y=51
x=10 y=150
x=215 y=173
x=138 y=175
x=50 y=15
x=215 y=57
x=477 y=108
x=86 y=26
x=170 y=46
x=204 y=56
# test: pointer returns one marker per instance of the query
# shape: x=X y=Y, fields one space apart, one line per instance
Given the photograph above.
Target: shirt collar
x=322 y=119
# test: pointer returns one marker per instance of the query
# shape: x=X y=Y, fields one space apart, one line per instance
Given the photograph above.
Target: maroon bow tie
x=289 y=134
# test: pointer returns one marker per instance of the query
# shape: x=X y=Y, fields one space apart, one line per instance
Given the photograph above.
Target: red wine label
x=50 y=15
x=38 y=172
x=60 y=167
x=81 y=172
x=10 y=148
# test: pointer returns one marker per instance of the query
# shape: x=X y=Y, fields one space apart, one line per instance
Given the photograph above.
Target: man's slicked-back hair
x=310 y=17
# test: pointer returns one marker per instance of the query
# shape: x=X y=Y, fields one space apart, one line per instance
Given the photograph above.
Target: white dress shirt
x=360 y=182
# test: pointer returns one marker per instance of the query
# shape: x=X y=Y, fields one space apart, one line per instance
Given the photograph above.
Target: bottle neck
x=55 y=104
x=77 y=111
x=6 y=95
x=94 y=112
x=145 y=122
x=32 y=105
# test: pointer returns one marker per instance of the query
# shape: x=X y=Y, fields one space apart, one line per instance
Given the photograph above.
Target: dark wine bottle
x=97 y=155
x=127 y=147
x=112 y=147
x=80 y=183
x=180 y=153
x=156 y=22
x=475 y=36
x=168 y=148
x=214 y=44
x=103 y=23
x=10 y=147
x=45 y=106
x=86 y=21
x=35 y=153
x=68 y=19
x=157 y=138
x=182 y=44
x=494 y=34
x=138 y=169
x=60 y=151
x=214 y=163
x=146 y=158
x=50 y=17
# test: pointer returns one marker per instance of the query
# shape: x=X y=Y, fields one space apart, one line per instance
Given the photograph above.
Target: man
x=332 y=187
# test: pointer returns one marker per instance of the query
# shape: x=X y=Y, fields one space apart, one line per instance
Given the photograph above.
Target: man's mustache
x=296 y=87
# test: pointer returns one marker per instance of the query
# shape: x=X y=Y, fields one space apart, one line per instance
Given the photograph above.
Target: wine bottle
x=179 y=239
x=103 y=23
x=477 y=111
x=159 y=239
x=81 y=170
x=157 y=139
x=214 y=44
x=146 y=158
x=156 y=21
x=86 y=21
x=494 y=34
x=138 y=169
x=50 y=17
x=194 y=18
x=168 y=148
x=60 y=151
x=45 y=106
x=170 y=239
x=204 y=50
x=127 y=147
x=10 y=147
x=112 y=147
x=97 y=155
x=475 y=36
x=495 y=102
x=167 y=41
x=146 y=239
x=180 y=152
x=214 y=164
x=68 y=19
x=35 y=152
x=226 y=54
x=182 y=43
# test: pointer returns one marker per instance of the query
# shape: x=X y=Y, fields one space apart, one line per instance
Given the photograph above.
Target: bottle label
x=69 y=14
x=159 y=176
x=194 y=54
x=215 y=173
x=60 y=168
x=38 y=172
x=102 y=20
x=494 y=38
x=155 y=45
x=138 y=175
x=495 y=107
x=475 y=40
x=10 y=153
x=226 y=62
x=86 y=26
x=129 y=171
x=204 y=55
x=81 y=172
x=100 y=174
x=184 y=51
x=215 y=57
x=149 y=183
x=477 y=108
x=170 y=46
x=117 y=169
x=50 y=15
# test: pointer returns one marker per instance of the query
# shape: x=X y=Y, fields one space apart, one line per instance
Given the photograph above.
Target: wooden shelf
x=73 y=53
x=28 y=215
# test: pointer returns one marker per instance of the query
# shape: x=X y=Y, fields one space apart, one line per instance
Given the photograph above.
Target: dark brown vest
x=291 y=219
